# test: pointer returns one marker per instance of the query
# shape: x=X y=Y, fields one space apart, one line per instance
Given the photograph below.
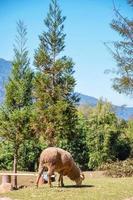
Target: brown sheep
x=58 y=160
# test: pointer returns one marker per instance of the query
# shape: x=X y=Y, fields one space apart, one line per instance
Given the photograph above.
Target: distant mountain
x=122 y=112
x=87 y=100
x=5 y=69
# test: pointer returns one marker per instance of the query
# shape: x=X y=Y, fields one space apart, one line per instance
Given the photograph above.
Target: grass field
x=95 y=187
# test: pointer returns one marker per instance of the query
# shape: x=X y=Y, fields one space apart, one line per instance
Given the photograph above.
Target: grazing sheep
x=58 y=160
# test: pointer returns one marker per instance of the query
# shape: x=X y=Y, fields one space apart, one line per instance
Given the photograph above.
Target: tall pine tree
x=15 y=113
x=55 y=101
x=122 y=52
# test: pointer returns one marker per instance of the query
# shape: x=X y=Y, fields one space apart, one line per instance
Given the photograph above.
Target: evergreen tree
x=15 y=113
x=80 y=146
x=55 y=101
x=122 y=52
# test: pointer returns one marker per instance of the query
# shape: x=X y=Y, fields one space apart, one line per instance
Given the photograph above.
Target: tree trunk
x=15 y=170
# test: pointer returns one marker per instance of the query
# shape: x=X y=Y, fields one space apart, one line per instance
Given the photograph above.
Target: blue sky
x=87 y=28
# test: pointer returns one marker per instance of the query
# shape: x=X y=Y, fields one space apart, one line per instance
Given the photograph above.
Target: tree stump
x=6 y=185
x=6 y=179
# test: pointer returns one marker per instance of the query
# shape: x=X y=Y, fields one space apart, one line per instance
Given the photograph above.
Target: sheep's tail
x=40 y=171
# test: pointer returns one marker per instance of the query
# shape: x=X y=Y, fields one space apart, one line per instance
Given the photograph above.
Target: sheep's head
x=80 y=179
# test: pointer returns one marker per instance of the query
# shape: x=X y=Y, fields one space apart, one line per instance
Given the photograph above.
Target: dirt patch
x=5 y=187
x=94 y=174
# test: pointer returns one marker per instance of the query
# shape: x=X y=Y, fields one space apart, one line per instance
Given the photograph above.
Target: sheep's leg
x=60 y=181
x=40 y=171
x=50 y=173
x=62 y=184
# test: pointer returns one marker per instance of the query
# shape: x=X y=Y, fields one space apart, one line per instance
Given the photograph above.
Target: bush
x=29 y=152
x=106 y=136
x=6 y=155
x=119 y=168
x=78 y=146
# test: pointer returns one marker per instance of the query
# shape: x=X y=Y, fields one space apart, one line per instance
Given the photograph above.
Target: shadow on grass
x=68 y=186
x=82 y=186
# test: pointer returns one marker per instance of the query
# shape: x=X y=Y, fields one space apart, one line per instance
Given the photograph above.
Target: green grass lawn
x=94 y=188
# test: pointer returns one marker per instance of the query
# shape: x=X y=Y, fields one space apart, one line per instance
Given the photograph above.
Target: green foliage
x=55 y=114
x=122 y=52
x=18 y=89
x=15 y=125
x=81 y=150
x=85 y=110
x=123 y=148
x=78 y=146
x=41 y=111
x=28 y=155
x=6 y=155
x=106 y=139
x=129 y=133
x=16 y=111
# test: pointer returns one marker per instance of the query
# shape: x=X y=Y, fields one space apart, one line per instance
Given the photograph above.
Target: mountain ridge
x=122 y=112
x=5 y=69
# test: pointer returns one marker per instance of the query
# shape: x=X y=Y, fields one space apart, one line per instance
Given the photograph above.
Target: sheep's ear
x=82 y=176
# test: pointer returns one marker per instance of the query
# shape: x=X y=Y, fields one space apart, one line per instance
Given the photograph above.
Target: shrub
x=119 y=168
x=106 y=136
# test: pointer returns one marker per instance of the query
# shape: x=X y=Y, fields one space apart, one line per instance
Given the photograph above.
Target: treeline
x=109 y=138
x=41 y=108
x=101 y=138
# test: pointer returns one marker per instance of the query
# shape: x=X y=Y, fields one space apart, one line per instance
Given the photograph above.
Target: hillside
x=121 y=111
x=5 y=68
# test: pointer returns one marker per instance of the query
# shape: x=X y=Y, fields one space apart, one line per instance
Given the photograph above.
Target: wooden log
x=18 y=174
